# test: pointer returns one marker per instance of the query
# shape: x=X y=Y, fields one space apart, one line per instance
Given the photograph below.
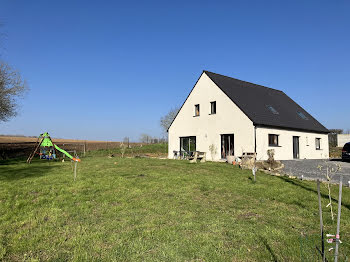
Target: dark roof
x=266 y=106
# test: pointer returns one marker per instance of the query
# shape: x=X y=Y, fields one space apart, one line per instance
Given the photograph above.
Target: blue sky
x=109 y=69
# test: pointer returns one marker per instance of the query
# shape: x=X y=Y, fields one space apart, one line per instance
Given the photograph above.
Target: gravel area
x=307 y=169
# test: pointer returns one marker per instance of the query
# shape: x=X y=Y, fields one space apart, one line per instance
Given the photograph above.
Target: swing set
x=47 y=149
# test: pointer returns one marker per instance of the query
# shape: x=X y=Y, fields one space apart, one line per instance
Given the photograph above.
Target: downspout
x=255 y=140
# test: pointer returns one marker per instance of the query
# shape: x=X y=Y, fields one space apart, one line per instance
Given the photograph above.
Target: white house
x=234 y=116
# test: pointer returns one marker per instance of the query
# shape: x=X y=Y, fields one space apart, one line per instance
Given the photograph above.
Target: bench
x=198 y=156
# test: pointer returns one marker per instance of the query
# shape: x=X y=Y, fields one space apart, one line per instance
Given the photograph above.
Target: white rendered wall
x=307 y=144
x=229 y=119
x=343 y=139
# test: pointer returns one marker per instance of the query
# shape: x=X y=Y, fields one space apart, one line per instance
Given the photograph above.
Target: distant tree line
x=147 y=139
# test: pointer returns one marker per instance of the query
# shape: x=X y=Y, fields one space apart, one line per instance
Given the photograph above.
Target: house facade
x=225 y=116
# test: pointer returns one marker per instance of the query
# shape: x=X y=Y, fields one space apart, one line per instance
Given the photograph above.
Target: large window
x=196 y=110
x=273 y=140
x=213 y=108
x=318 y=143
x=188 y=144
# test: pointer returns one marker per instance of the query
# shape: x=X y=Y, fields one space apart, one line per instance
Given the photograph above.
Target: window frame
x=273 y=145
x=212 y=103
x=195 y=110
x=191 y=144
x=318 y=145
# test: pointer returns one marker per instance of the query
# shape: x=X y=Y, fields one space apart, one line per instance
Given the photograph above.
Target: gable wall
x=307 y=144
x=208 y=128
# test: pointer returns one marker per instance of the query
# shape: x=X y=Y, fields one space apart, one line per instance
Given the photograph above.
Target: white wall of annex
x=307 y=144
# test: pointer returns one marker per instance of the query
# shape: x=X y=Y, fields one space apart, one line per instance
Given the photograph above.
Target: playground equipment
x=48 y=149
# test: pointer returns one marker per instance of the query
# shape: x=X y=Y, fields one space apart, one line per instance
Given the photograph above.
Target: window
x=301 y=114
x=196 y=110
x=213 y=108
x=187 y=144
x=273 y=110
x=318 y=143
x=273 y=140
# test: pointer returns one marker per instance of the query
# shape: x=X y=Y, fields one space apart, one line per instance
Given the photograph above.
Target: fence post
x=321 y=220
x=75 y=170
x=338 y=220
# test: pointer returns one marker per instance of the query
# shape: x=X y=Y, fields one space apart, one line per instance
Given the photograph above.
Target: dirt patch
x=248 y=215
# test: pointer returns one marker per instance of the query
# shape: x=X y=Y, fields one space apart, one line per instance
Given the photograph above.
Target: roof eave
x=326 y=131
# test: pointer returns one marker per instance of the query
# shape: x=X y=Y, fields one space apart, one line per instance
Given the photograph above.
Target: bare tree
x=122 y=148
x=336 y=131
x=329 y=174
x=145 y=138
x=165 y=121
x=12 y=86
x=126 y=141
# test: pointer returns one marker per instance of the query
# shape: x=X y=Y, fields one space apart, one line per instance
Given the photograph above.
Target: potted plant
x=230 y=159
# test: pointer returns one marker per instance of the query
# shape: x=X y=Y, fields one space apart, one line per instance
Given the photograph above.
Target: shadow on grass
x=268 y=248
x=303 y=186
x=12 y=161
x=11 y=172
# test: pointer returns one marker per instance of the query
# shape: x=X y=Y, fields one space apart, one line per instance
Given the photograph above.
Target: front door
x=296 y=147
x=227 y=145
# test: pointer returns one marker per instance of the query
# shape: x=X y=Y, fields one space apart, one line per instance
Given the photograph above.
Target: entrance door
x=295 y=147
x=227 y=145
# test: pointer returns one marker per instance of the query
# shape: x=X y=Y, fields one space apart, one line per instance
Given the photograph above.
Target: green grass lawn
x=139 y=209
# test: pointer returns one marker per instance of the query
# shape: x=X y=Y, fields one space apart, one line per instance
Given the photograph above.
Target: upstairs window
x=196 y=110
x=213 y=108
x=318 y=143
x=273 y=140
x=273 y=110
x=301 y=114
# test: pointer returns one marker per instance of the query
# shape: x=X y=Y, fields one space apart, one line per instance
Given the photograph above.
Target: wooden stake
x=321 y=221
x=338 y=220
x=75 y=170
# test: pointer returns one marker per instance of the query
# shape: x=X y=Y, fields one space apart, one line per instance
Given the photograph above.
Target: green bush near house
x=143 y=209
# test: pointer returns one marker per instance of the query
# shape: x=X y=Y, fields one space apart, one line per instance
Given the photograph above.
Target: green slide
x=63 y=151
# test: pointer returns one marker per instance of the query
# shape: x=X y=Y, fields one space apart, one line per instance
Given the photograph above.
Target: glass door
x=227 y=145
x=296 y=147
x=187 y=145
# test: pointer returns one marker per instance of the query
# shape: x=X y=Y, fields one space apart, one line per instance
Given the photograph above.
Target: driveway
x=307 y=169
